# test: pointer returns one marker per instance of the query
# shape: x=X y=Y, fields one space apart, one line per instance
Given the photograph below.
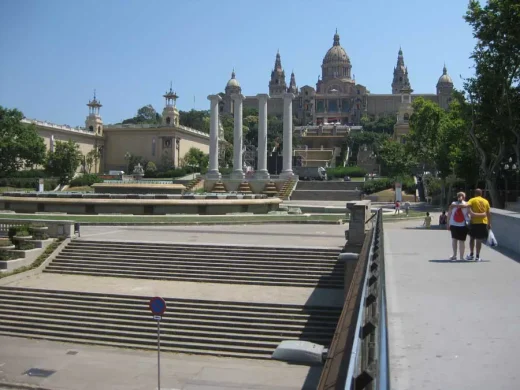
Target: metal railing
x=358 y=355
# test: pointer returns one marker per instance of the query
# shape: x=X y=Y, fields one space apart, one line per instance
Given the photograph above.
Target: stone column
x=261 y=172
x=287 y=135
x=238 y=172
x=213 y=172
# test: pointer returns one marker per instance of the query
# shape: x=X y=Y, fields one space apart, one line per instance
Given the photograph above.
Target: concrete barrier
x=506 y=227
x=57 y=229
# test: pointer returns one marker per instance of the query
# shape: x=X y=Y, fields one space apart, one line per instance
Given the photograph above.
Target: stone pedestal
x=360 y=212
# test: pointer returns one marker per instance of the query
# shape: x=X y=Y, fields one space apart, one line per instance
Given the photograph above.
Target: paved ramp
x=452 y=325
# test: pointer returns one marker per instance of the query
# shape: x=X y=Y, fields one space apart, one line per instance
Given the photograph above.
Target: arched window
x=400 y=79
x=91 y=128
x=168 y=120
x=406 y=117
x=99 y=129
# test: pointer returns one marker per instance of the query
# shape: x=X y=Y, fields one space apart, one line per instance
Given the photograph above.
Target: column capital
x=289 y=95
x=262 y=96
x=218 y=98
x=237 y=96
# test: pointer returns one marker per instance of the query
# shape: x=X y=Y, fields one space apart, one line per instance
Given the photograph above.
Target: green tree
x=395 y=160
x=145 y=115
x=496 y=26
x=150 y=167
x=425 y=135
x=198 y=120
x=64 y=161
x=383 y=124
x=91 y=159
x=196 y=158
x=20 y=145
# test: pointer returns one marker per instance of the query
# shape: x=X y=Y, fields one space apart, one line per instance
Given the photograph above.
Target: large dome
x=233 y=82
x=336 y=53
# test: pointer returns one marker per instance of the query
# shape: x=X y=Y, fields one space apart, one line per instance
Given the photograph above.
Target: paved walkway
x=451 y=325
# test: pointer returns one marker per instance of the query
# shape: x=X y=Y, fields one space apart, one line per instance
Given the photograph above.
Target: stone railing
x=506 y=225
x=152 y=126
x=59 y=127
x=57 y=229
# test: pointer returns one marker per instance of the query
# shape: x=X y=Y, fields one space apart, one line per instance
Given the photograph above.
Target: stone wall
x=506 y=227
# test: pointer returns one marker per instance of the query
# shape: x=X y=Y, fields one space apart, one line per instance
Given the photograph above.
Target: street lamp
x=509 y=166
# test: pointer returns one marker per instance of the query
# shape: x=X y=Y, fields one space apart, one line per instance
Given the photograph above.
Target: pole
x=159 y=354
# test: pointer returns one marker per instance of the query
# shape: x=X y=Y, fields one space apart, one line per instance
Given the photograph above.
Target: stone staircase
x=192 y=184
x=269 y=266
x=234 y=329
x=287 y=189
x=327 y=190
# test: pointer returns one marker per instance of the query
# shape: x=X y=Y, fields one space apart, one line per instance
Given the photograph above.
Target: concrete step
x=238 y=329
x=330 y=185
x=287 y=267
x=324 y=195
x=204 y=248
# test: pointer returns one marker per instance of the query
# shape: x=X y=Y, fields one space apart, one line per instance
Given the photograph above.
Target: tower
x=292 y=85
x=444 y=89
x=277 y=84
x=94 y=123
x=405 y=111
x=170 y=114
x=400 y=79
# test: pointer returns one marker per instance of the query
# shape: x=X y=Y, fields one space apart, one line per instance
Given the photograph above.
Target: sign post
x=158 y=307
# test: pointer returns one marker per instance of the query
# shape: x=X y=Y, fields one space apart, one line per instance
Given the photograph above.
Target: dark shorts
x=478 y=231
x=459 y=232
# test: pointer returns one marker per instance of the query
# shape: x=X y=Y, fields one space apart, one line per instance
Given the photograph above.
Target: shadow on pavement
x=458 y=261
x=427 y=229
x=506 y=252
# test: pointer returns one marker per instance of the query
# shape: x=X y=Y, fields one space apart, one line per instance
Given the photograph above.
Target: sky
x=55 y=53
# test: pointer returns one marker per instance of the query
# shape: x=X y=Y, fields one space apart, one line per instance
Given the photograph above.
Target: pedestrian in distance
x=427 y=220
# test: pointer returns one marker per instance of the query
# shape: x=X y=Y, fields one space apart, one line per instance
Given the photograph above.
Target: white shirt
x=459 y=215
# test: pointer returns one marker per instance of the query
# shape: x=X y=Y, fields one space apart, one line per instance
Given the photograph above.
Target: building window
x=168 y=120
x=91 y=128
x=153 y=147
x=400 y=79
x=99 y=129
x=406 y=117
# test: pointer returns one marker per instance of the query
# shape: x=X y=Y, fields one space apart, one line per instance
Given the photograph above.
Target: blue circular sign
x=157 y=306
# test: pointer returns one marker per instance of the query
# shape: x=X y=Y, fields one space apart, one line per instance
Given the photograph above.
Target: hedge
x=48 y=184
x=85 y=180
x=376 y=185
x=341 y=172
x=27 y=174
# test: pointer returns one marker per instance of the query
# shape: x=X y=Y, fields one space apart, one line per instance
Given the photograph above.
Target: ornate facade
x=337 y=97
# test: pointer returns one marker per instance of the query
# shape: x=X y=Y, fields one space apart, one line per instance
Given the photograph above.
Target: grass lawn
x=181 y=219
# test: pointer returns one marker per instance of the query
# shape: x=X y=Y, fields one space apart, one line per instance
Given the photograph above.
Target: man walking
x=480 y=223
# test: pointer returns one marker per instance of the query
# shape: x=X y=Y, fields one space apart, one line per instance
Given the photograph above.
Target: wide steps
x=268 y=266
x=324 y=195
x=238 y=329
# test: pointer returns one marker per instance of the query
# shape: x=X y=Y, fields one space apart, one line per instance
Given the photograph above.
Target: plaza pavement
x=452 y=325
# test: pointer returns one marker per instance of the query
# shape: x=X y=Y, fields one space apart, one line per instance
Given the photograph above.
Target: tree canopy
x=20 y=145
x=145 y=115
x=64 y=161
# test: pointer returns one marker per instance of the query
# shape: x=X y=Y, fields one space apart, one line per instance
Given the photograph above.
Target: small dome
x=445 y=78
x=233 y=82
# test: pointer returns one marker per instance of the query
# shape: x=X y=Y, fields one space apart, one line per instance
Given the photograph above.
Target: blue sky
x=54 y=53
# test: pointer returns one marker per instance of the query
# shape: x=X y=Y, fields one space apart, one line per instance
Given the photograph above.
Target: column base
x=287 y=174
x=213 y=175
x=238 y=174
x=262 y=174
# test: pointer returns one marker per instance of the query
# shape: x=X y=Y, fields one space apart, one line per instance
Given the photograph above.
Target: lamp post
x=509 y=166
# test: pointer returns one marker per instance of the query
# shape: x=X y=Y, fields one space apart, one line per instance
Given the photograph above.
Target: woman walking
x=457 y=225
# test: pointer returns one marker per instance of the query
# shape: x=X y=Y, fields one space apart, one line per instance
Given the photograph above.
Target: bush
x=85 y=180
x=150 y=167
x=169 y=174
x=341 y=172
x=27 y=174
x=13 y=230
x=376 y=185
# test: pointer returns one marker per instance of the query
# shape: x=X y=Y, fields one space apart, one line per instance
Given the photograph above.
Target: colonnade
x=261 y=172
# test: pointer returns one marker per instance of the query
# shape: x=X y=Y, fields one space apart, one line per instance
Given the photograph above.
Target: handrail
x=358 y=354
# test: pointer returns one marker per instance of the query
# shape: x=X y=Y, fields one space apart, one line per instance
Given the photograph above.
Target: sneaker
x=478 y=258
x=453 y=258
x=470 y=257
